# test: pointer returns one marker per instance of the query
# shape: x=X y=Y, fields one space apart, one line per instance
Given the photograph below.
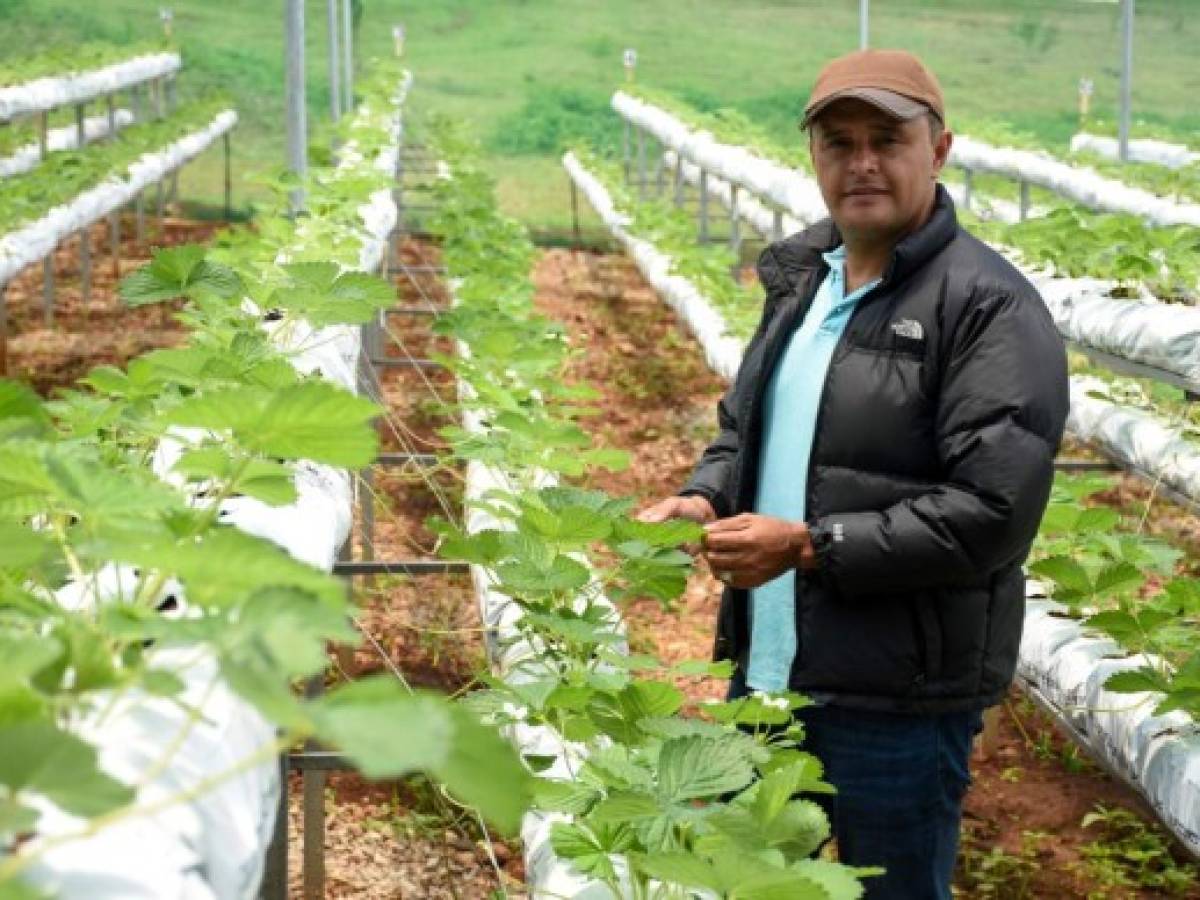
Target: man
x=884 y=459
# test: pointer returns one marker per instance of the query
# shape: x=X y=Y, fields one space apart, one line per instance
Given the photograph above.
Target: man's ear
x=941 y=151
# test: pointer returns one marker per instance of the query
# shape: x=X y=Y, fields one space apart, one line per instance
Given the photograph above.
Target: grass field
x=528 y=73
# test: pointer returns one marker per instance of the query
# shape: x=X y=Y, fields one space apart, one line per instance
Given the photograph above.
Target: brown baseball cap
x=892 y=80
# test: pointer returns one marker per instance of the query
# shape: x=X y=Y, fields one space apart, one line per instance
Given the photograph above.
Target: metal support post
x=43 y=134
x=297 y=125
x=48 y=289
x=159 y=112
x=641 y=162
x=114 y=233
x=864 y=23
x=1126 y=78
x=228 y=177
x=679 y=182
x=80 y=125
x=139 y=205
x=169 y=85
x=110 y=105
x=335 y=89
x=313 y=799
x=348 y=56
x=735 y=225
x=777 y=225
x=703 y=206
x=967 y=186
x=139 y=104
x=1024 y=200
x=85 y=266
x=660 y=172
x=625 y=158
x=275 y=877
x=158 y=204
x=575 y=214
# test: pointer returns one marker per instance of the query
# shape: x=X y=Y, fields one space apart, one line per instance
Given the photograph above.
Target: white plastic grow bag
x=1143 y=150
x=27 y=158
x=53 y=91
x=213 y=846
x=36 y=240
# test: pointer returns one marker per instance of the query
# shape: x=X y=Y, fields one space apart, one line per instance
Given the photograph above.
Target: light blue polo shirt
x=789 y=419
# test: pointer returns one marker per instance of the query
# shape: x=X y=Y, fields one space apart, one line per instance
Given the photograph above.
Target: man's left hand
x=748 y=550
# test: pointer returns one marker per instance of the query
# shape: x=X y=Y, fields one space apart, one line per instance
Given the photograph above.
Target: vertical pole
x=111 y=108
x=158 y=204
x=575 y=214
x=679 y=182
x=85 y=266
x=48 y=289
x=625 y=150
x=169 y=84
x=735 y=224
x=114 y=233
x=335 y=89
x=641 y=162
x=967 y=186
x=777 y=225
x=1126 y=77
x=297 y=127
x=1024 y=200
x=43 y=134
x=660 y=171
x=703 y=206
x=313 y=799
x=275 y=878
x=228 y=178
x=140 y=219
x=80 y=125
x=139 y=104
x=159 y=98
x=864 y=11
x=348 y=56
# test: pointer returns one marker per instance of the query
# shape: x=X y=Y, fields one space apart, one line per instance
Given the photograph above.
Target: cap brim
x=895 y=105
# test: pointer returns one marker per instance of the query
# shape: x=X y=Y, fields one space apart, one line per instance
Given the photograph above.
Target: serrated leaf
x=693 y=768
x=1070 y=577
x=42 y=759
x=1134 y=681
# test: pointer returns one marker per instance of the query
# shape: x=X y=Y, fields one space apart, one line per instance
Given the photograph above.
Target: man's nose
x=864 y=158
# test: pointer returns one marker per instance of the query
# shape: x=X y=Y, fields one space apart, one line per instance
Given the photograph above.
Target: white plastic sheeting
x=1143 y=150
x=65 y=138
x=1160 y=335
x=212 y=847
x=48 y=93
x=1065 y=666
x=722 y=350
x=34 y=241
x=517 y=660
x=1138 y=439
x=1078 y=183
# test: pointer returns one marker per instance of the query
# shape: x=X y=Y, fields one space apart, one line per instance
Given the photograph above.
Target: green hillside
x=528 y=72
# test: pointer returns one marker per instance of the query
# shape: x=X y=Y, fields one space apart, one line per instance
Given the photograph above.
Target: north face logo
x=909 y=328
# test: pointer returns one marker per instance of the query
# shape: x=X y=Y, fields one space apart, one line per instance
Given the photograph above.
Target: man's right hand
x=693 y=508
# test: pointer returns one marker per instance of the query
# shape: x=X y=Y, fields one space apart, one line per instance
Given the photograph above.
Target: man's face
x=877 y=173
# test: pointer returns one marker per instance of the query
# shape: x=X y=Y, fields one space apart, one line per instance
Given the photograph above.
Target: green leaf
x=839 y=881
x=177 y=272
x=694 y=768
x=42 y=759
x=571 y=797
x=680 y=868
x=625 y=806
x=1118 y=578
x=1069 y=576
x=22 y=548
x=312 y=420
x=21 y=411
x=1134 y=681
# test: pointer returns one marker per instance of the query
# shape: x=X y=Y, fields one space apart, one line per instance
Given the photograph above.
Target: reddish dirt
x=658 y=402
x=102 y=331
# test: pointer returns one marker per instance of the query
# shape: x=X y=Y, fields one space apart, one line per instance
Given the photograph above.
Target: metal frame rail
x=312 y=762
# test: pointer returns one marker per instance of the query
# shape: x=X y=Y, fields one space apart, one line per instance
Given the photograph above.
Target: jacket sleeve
x=1001 y=410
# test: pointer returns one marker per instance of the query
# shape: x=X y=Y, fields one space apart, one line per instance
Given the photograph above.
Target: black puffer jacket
x=941 y=415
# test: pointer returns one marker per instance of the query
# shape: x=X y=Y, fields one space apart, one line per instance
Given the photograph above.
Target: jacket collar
x=783 y=263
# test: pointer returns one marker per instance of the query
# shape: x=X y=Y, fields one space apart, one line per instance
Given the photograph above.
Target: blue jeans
x=900 y=782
